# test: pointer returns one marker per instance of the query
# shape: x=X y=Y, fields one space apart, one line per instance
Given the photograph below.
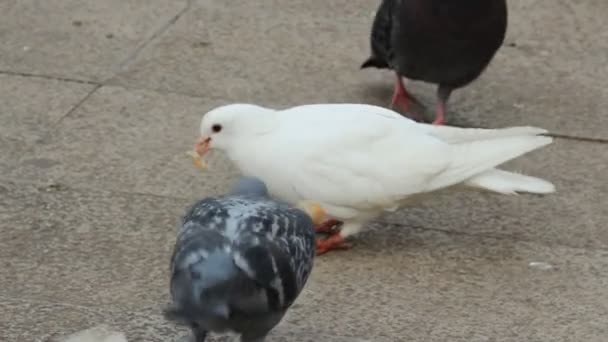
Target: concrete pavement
x=99 y=101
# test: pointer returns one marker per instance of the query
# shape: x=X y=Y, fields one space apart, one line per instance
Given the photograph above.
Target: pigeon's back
x=439 y=41
x=240 y=220
x=239 y=262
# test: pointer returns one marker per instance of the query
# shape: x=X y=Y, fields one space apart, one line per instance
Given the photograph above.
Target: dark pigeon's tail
x=380 y=38
x=373 y=62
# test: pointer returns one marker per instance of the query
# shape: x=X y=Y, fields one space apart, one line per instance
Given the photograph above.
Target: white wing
x=358 y=156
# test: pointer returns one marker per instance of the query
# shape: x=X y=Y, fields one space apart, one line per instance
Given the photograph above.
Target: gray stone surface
x=30 y=108
x=264 y=52
x=129 y=140
x=273 y=54
x=81 y=39
x=139 y=326
x=94 y=176
x=104 y=252
x=554 y=77
x=574 y=216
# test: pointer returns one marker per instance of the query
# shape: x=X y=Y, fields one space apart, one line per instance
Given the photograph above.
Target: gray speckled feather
x=239 y=262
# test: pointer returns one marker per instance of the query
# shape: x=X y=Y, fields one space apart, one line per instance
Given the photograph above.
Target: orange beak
x=202 y=146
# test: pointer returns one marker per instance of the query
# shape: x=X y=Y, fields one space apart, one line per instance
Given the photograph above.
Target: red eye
x=216 y=128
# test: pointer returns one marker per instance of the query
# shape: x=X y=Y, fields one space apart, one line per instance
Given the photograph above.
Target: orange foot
x=327 y=227
x=333 y=242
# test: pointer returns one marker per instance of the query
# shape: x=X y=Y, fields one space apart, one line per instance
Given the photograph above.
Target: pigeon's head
x=224 y=126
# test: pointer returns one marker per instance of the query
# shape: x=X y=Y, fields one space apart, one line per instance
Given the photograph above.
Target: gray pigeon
x=240 y=261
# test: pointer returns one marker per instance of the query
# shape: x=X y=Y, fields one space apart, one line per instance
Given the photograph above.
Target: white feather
x=454 y=135
x=359 y=160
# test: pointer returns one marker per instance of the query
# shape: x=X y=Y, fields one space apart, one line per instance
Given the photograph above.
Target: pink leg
x=440 y=118
x=402 y=97
x=443 y=94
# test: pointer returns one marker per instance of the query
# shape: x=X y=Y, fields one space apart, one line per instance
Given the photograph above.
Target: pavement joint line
x=113 y=310
x=549 y=134
x=377 y=221
x=47 y=77
x=65 y=187
x=101 y=309
x=78 y=104
x=196 y=96
x=155 y=34
x=577 y=138
x=47 y=302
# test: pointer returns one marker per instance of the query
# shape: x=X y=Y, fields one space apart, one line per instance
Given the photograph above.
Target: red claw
x=333 y=242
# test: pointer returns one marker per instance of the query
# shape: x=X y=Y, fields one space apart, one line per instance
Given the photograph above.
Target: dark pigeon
x=445 y=42
x=239 y=262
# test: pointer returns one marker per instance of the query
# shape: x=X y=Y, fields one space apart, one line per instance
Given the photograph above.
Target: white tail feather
x=510 y=183
x=472 y=158
x=454 y=135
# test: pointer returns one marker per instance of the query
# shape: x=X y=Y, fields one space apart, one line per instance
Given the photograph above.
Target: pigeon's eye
x=216 y=128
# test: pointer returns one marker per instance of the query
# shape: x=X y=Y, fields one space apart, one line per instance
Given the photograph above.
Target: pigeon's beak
x=314 y=210
x=200 y=148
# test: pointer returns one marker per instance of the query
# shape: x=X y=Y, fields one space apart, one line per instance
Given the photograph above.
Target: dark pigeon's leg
x=401 y=96
x=443 y=94
x=198 y=334
x=333 y=242
x=254 y=337
x=327 y=227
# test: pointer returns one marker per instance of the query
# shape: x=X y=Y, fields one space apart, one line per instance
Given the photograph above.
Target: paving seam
x=47 y=77
x=122 y=66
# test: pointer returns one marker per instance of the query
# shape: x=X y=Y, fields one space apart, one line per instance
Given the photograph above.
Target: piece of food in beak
x=197 y=160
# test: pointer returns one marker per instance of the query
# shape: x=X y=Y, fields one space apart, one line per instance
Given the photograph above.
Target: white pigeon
x=358 y=161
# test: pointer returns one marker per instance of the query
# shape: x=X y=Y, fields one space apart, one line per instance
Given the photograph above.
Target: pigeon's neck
x=264 y=123
x=251 y=135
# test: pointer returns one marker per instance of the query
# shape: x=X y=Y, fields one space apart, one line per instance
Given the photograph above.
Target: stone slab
x=90 y=253
x=30 y=108
x=80 y=39
x=132 y=141
x=573 y=216
x=25 y=320
x=267 y=52
x=550 y=73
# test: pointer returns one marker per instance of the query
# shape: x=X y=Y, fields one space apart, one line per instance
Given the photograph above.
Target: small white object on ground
x=540 y=265
x=99 y=333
